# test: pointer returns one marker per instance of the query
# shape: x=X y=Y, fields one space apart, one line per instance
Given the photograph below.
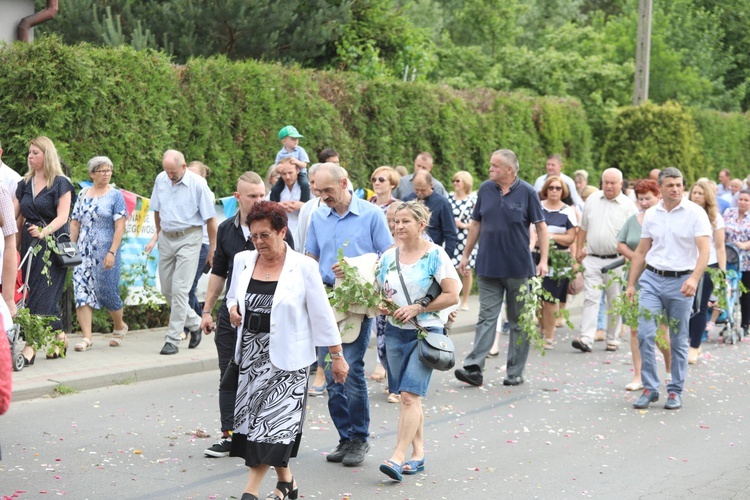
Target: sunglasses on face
x=456 y=180
x=554 y=188
x=378 y=179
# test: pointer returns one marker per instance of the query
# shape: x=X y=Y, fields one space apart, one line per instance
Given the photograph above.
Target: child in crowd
x=290 y=139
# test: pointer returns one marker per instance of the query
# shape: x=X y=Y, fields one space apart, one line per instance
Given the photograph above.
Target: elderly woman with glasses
x=462 y=202
x=98 y=224
x=278 y=303
x=384 y=181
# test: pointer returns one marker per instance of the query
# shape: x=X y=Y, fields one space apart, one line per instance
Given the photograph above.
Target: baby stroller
x=728 y=323
x=17 y=344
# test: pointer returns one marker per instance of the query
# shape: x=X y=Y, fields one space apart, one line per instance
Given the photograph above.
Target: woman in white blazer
x=278 y=303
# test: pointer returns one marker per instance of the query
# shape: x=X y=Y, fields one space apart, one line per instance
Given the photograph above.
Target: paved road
x=569 y=432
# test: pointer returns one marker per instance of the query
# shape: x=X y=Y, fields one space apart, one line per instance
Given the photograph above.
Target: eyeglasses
x=554 y=188
x=103 y=171
x=379 y=179
x=456 y=180
x=261 y=236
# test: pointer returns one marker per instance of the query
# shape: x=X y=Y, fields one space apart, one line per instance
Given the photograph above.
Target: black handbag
x=65 y=253
x=435 y=350
x=231 y=377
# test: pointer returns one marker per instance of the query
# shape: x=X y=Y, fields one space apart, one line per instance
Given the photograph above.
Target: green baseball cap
x=289 y=131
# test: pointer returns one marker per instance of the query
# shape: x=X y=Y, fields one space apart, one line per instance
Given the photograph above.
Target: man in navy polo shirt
x=506 y=206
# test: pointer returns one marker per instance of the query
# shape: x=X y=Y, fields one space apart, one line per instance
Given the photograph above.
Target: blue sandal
x=392 y=470
x=414 y=467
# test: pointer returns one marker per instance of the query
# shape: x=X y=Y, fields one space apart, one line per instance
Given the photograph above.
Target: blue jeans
x=660 y=294
x=492 y=292
x=348 y=403
x=406 y=373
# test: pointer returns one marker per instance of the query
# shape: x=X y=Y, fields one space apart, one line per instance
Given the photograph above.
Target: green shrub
x=654 y=136
x=132 y=105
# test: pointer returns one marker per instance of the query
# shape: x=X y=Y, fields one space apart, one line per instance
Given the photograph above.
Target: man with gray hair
x=182 y=204
x=358 y=227
x=674 y=250
x=505 y=208
x=604 y=214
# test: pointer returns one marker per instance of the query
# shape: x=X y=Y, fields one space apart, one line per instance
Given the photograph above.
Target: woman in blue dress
x=98 y=224
x=44 y=197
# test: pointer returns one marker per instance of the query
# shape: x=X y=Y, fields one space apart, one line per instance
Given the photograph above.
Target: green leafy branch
x=561 y=264
x=37 y=331
x=46 y=250
x=630 y=309
x=354 y=290
x=531 y=296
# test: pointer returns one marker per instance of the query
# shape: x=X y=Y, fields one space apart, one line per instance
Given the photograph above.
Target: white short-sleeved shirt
x=719 y=224
x=418 y=278
x=673 y=235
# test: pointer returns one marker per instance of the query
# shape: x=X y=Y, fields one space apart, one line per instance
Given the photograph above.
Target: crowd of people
x=277 y=260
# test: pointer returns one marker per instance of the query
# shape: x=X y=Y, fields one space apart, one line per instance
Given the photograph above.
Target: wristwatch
x=339 y=354
x=424 y=302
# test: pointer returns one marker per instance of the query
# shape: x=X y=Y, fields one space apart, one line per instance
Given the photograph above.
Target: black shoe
x=580 y=344
x=514 y=380
x=646 y=399
x=471 y=377
x=195 y=338
x=339 y=453
x=220 y=449
x=248 y=496
x=356 y=452
x=286 y=490
x=674 y=401
x=169 y=349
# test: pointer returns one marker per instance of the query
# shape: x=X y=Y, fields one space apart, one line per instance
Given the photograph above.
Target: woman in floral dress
x=98 y=224
x=462 y=203
x=737 y=231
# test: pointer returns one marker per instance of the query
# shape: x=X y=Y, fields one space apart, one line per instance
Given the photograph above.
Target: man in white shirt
x=182 y=204
x=674 y=250
x=9 y=177
x=603 y=216
x=554 y=167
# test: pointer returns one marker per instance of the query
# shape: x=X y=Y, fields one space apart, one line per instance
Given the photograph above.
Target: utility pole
x=642 y=52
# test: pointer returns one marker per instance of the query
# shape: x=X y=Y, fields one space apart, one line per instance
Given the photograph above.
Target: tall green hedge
x=725 y=141
x=699 y=142
x=131 y=106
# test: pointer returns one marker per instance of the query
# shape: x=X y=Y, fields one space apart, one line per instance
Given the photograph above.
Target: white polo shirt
x=673 y=235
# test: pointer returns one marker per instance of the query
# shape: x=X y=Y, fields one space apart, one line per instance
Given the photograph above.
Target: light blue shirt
x=363 y=229
x=183 y=205
x=298 y=152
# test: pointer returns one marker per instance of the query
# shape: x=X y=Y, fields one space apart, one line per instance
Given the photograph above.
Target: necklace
x=266 y=273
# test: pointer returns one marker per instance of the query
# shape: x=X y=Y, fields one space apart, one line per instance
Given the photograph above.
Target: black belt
x=668 y=274
x=257 y=322
x=613 y=256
